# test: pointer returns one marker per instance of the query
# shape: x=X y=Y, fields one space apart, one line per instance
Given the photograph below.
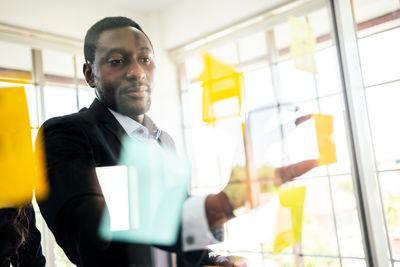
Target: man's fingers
x=302 y=119
x=288 y=173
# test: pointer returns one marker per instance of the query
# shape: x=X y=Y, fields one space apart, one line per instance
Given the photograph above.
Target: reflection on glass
x=353 y=263
x=319 y=235
x=114 y=185
x=252 y=46
x=59 y=101
x=380 y=57
x=328 y=80
x=349 y=234
x=390 y=186
x=192 y=101
x=383 y=105
x=316 y=262
x=193 y=67
x=86 y=97
x=213 y=150
x=258 y=88
x=278 y=261
x=296 y=85
x=156 y=187
x=226 y=53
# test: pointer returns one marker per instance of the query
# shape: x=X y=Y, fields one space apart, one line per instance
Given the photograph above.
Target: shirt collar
x=132 y=127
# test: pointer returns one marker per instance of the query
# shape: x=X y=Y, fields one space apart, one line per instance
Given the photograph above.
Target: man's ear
x=89 y=76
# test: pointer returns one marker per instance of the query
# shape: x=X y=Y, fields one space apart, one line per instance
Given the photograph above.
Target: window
x=273 y=89
x=378 y=35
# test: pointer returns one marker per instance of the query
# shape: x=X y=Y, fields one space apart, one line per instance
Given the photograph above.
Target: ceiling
x=143 y=5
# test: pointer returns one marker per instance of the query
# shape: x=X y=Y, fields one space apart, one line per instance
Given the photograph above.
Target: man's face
x=123 y=71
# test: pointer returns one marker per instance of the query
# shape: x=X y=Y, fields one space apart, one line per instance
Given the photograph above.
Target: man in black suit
x=120 y=67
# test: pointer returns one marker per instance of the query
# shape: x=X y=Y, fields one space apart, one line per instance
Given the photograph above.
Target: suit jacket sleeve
x=75 y=203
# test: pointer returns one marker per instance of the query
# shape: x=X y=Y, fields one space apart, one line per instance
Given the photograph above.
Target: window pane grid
x=328 y=174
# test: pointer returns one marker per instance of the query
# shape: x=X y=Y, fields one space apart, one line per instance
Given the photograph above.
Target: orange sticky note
x=22 y=168
x=326 y=145
x=220 y=82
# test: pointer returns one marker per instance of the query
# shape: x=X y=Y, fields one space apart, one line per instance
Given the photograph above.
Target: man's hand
x=237 y=191
x=288 y=173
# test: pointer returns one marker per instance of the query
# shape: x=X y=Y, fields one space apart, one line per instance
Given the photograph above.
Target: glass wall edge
x=363 y=165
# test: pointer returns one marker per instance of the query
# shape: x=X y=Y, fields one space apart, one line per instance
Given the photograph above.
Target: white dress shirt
x=195 y=231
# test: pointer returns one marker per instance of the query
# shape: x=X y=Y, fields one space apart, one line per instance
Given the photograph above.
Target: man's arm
x=75 y=202
x=219 y=208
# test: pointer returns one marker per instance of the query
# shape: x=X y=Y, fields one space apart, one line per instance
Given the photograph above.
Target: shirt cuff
x=195 y=231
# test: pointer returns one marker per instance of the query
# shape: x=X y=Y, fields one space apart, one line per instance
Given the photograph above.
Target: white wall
x=65 y=17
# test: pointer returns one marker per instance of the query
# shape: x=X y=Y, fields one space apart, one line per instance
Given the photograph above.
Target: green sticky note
x=145 y=194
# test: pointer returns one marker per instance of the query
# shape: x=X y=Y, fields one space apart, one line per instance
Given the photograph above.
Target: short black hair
x=93 y=34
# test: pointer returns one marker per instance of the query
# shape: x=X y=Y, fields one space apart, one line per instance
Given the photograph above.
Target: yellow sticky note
x=290 y=218
x=326 y=145
x=220 y=82
x=303 y=44
x=22 y=168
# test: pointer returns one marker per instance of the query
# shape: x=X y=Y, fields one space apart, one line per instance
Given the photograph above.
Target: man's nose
x=135 y=71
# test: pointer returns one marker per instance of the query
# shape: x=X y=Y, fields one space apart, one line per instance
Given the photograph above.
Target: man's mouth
x=137 y=91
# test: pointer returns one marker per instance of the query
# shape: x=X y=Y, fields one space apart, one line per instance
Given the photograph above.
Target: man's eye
x=145 y=59
x=116 y=61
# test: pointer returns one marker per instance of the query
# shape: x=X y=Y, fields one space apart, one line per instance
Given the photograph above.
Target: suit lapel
x=104 y=116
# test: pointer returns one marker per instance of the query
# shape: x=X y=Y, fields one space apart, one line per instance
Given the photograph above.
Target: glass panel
x=317 y=262
x=383 y=105
x=349 y=234
x=353 y=263
x=295 y=85
x=59 y=101
x=58 y=63
x=252 y=46
x=320 y=24
x=319 y=235
x=192 y=102
x=380 y=57
x=248 y=240
x=258 y=88
x=86 y=96
x=328 y=79
x=334 y=106
x=282 y=39
x=279 y=261
x=194 y=66
x=390 y=186
x=207 y=163
x=15 y=56
x=226 y=54
x=370 y=10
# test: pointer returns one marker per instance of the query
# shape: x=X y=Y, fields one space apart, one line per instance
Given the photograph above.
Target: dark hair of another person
x=14 y=230
x=93 y=34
